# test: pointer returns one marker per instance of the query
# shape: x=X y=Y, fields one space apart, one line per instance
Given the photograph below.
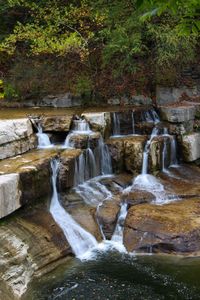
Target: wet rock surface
x=127 y=152
x=171 y=228
x=31 y=244
x=107 y=214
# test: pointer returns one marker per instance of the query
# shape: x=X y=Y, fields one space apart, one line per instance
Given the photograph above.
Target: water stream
x=79 y=239
x=43 y=139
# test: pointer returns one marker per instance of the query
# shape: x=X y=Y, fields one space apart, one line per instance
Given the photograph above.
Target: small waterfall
x=79 y=239
x=146 y=151
x=164 y=154
x=81 y=126
x=43 y=139
x=116 y=124
x=150 y=116
x=173 y=149
x=93 y=192
x=118 y=233
x=133 y=122
x=103 y=158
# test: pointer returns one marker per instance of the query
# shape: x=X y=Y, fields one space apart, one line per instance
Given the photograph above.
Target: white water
x=116 y=124
x=118 y=233
x=93 y=192
x=149 y=183
x=146 y=151
x=133 y=122
x=43 y=139
x=103 y=158
x=81 y=127
x=150 y=116
x=79 y=239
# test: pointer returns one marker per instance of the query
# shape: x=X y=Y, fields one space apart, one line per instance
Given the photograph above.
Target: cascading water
x=79 y=239
x=146 y=151
x=103 y=158
x=150 y=116
x=116 y=124
x=43 y=139
x=118 y=233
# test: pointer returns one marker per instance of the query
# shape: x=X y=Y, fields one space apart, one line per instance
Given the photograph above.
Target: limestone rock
x=9 y=194
x=136 y=197
x=81 y=141
x=16 y=137
x=56 y=123
x=99 y=122
x=18 y=147
x=170 y=228
x=134 y=147
x=191 y=147
x=85 y=216
x=67 y=169
x=107 y=214
x=127 y=153
x=166 y=95
x=177 y=114
x=13 y=130
x=30 y=245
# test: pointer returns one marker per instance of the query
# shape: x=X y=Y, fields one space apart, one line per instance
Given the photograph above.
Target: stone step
x=27 y=178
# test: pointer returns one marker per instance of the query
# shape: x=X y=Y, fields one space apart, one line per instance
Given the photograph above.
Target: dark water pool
x=116 y=276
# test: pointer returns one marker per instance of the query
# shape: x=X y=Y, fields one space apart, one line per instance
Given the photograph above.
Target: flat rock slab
x=13 y=130
x=171 y=228
x=32 y=178
x=177 y=114
x=16 y=137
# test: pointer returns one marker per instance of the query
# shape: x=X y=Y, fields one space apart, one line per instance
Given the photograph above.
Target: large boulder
x=30 y=246
x=56 y=123
x=16 y=137
x=134 y=147
x=107 y=214
x=67 y=169
x=177 y=114
x=99 y=121
x=127 y=153
x=190 y=145
x=171 y=228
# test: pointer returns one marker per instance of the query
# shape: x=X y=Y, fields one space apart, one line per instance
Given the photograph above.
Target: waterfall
x=133 y=122
x=150 y=116
x=93 y=192
x=79 y=239
x=173 y=149
x=164 y=154
x=146 y=151
x=118 y=233
x=116 y=123
x=103 y=158
x=43 y=139
x=81 y=126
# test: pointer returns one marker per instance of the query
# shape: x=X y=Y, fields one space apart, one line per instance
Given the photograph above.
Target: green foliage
x=55 y=45
x=10 y=92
